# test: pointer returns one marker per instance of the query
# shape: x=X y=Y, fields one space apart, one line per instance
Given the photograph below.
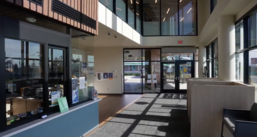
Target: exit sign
x=180 y=42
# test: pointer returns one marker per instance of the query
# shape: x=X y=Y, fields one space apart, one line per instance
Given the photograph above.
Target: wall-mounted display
x=106 y=76
x=110 y=76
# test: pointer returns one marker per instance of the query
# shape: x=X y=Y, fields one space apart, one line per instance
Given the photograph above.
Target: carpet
x=153 y=115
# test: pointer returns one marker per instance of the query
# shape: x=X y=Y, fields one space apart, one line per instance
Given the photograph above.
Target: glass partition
x=82 y=69
x=187 y=17
x=253 y=69
x=141 y=70
x=151 y=17
x=133 y=55
x=121 y=9
x=169 y=17
x=138 y=16
x=107 y=3
x=131 y=13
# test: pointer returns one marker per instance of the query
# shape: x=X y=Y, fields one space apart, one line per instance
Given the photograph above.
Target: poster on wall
x=99 y=76
x=110 y=76
x=75 y=91
x=106 y=76
x=82 y=83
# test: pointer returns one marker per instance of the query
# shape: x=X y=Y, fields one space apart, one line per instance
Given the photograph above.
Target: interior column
x=226 y=47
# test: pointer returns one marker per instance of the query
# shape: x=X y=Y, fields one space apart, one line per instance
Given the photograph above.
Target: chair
x=241 y=123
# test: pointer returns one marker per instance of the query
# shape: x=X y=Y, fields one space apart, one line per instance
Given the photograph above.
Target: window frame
x=160 y=20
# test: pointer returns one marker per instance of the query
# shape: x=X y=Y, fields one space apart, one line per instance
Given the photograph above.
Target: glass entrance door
x=169 y=77
x=175 y=75
x=185 y=72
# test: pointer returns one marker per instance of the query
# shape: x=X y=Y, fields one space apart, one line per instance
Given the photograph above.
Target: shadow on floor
x=156 y=117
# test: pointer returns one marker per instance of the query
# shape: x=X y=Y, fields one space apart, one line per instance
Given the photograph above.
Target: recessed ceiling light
x=164 y=19
x=31 y=19
x=181 y=19
x=189 y=10
x=168 y=11
x=156 y=1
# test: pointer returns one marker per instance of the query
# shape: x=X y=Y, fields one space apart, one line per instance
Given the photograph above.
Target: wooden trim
x=92 y=131
x=86 y=7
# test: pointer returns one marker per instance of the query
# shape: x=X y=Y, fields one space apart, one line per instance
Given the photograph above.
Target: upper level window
x=187 y=17
x=213 y=4
x=131 y=13
x=121 y=9
x=151 y=17
x=169 y=16
x=107 y=3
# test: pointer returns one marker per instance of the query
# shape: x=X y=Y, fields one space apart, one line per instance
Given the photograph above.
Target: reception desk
x=78 y=121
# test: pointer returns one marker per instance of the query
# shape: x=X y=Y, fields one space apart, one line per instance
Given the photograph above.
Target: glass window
x=186 y=56
x=213 y=4
x=132 y=55
x=252 y=30
x=107 y=3
x=253 y=69
x=240 y=67
x=121 y=9
x=239 y=36
x=82 y=68
x=131 y=13
x=151 y=77
x=151 y=54
x=151 y=17
x=24 y=79
x=132 y=77
x=138 y=16
x=169 y=17
x=187 y=17
x=216 y=68
x=170 y=56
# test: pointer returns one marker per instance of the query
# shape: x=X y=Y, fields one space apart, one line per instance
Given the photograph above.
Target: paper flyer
x=54 y=97
x=75 y=96
x=75 y=90
x=82 y=83
x=148 y=81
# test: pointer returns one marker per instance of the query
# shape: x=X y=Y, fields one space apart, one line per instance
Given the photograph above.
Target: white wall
x=246 y=9
x=109 y=19
x=170 y=41
x=107 y=60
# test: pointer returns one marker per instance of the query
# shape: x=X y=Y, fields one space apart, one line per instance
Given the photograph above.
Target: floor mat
x=153 y=115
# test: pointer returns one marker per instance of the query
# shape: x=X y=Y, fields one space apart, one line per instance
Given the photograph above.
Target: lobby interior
x=159 y=68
